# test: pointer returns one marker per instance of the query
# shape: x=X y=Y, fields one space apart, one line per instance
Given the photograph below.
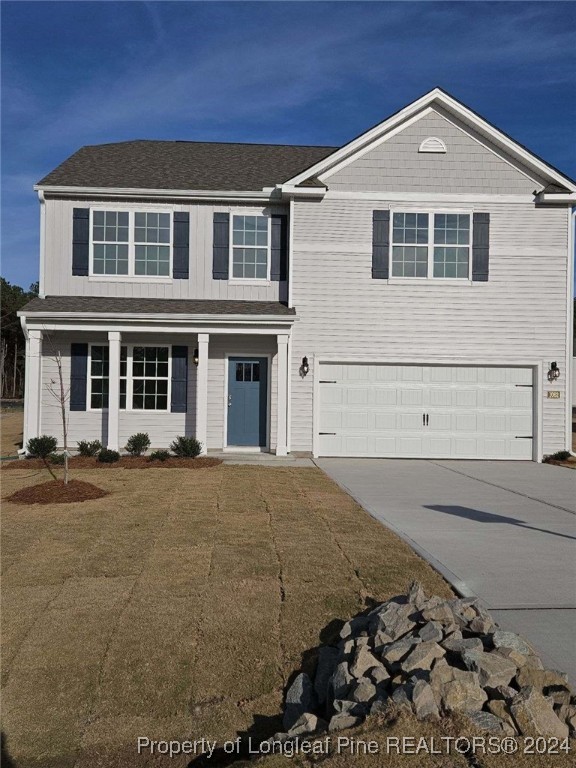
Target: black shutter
x=78 y=375
x=179 y=397
x=80 y=241
x=380 y=244
x=221 y=246
x=181 y=246
x=279 y=247
x=481 y=247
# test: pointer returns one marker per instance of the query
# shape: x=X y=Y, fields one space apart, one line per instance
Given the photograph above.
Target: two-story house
x=405 y=295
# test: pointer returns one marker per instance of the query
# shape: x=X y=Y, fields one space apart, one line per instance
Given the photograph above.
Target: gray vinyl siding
x=219 y=346
x=200 y=284
x=93 y=425
x=467 y=167
x=518 y=316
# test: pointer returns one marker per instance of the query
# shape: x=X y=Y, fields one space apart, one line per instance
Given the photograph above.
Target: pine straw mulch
x=55 y=492
x=126 y=462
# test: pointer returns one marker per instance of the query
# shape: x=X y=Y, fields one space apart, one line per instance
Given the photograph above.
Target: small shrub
x=89 y=447
x=106 y=456
x=186 y=447
x=138 y=444
x=57 y=458
x=41 y=447
x=560 y=456
x=159 y=455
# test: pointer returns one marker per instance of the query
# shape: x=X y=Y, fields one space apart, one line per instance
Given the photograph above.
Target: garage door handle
x=423 y=419
x=427 y=419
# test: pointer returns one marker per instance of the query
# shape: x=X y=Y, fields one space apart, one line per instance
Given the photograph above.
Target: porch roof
x=85 y=306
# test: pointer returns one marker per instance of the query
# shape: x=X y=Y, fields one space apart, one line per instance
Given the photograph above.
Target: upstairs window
x=129 y=243
x=431 y=245
x=250 y=247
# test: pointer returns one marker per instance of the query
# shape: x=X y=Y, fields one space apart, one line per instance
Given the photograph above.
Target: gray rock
x=431 y=632
x=423 y=700
x=502 y=639
x=482 y=625
x=306 y=723
x=344 y=706
x=501 y=692
x=363 y=661
x=364 y=691
x=397 y=651
x=300 y=699
x=422 y=657
x=457 y=647
x=354 y=626
x=394 y=622
x=380 y=705
x=341 y=680
x=401 y=697
x=493 y=670
x=416 y=595
x=500 y=709
x=326 y=664
x=463 y=696
x=379 y=676
x=542 y=679
x=441 y=613
x=489 y=722
x=534 y=714
x=340 y=722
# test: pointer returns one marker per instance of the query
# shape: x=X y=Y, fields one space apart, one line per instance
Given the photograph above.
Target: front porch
x=220 y=379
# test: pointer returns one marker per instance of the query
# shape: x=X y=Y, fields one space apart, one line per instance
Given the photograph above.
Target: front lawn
x=177 y=606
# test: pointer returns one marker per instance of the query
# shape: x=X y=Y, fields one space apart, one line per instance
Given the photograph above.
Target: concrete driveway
x=504 y=531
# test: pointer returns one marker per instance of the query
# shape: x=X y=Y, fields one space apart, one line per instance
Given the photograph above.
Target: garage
x=412 y=411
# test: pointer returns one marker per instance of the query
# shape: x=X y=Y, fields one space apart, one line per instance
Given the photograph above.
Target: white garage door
x=425 y=411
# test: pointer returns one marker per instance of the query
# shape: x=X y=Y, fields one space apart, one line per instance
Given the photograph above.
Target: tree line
x=12 y=342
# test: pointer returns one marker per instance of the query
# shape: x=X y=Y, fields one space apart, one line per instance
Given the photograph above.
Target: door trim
x=248 y=448
x=537 y=401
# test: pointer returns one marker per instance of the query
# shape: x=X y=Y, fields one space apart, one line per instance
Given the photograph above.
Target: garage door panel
x=378 y=410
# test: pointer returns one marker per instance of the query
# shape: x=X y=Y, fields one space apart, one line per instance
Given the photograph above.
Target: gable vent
x=433 y=144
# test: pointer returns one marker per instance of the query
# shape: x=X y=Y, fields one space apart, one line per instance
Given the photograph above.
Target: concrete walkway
x=504 y=531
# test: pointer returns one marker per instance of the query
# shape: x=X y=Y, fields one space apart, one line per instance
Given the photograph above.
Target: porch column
x=32 y=386
x=202 y=391
x=282 y=428
x=113 y=390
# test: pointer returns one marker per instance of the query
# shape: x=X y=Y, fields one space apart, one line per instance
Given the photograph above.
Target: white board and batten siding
x=517 y=318
x=416 y=411
x=58 y=279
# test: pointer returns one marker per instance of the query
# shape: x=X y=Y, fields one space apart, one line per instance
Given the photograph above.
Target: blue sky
x=76 y=73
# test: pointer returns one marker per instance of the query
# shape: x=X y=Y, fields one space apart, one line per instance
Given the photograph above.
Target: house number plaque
x=553 y=394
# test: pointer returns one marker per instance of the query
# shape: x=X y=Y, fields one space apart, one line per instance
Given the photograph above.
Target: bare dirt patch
x=126 y=462
x=56 y=492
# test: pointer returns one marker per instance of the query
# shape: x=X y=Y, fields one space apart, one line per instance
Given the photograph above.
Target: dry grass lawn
x=11 y=432
x=178 y=606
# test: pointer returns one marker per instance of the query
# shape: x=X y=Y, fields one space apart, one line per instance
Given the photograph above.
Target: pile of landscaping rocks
x=433 y=657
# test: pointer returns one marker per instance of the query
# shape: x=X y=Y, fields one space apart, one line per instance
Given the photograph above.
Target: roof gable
x=461 y=115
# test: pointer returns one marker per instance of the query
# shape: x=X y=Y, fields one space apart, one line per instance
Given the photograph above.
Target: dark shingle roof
x=184 y=165
x=121 y=305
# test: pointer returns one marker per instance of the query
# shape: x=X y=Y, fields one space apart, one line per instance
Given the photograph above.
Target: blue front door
x=247 y=400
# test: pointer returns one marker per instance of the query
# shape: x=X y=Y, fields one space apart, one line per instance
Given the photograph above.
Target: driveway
x=504 y=531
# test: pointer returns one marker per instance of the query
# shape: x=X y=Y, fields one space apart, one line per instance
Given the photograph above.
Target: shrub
x=41 y=447
x=138 y=444
x=57 y=458
x=159 y=455
x=106 y=456
x=561 y=456
x=186 y=447
x=89 y=447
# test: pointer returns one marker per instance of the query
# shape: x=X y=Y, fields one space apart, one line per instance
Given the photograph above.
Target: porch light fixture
x=195 y=358
x=554 y=372
x=304 y=368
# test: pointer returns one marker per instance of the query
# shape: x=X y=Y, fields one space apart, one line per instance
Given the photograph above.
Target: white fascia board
x=290 y=191
x=550 y=197
x=430 y=197
x=35 y=317
x=412 y=110
x=154 y=328
x=194 y=194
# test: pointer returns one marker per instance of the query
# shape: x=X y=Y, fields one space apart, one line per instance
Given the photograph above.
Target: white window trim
x=131 y=277
x=249 y=280
x=129 y=380
x=431 y=212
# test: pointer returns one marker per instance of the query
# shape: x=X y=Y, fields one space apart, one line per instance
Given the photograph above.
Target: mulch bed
x=55 y=492
x=570 y=463
x=126 y=462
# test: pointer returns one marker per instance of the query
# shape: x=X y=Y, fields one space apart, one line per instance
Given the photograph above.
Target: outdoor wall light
x=554 y=372
x=195 y=358
x=304 y=368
